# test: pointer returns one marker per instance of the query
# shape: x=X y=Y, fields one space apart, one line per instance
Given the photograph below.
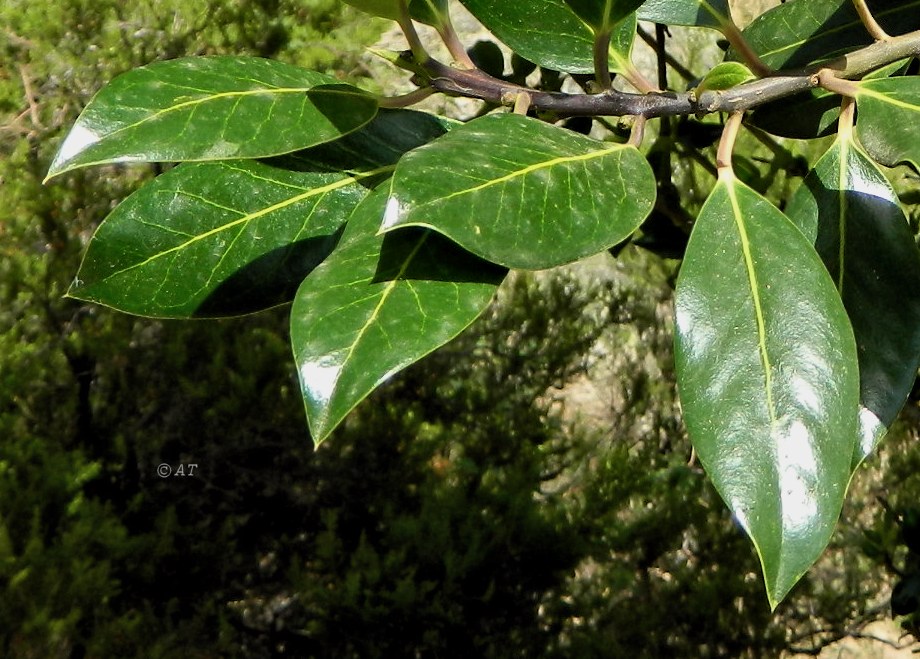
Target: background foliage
x=469 y=509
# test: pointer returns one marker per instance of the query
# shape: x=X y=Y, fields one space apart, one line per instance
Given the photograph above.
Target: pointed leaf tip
x=766 y=366
x=375 y=306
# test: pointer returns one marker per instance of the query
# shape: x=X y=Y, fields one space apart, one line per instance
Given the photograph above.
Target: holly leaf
x=377 y=305
x=602 y=15
x=888 y=126
x=522 y=193
x=800 y=32
x=234 y=237
x=549 y=34
x=211 y=108
x=849 y=209
x=768 y=378
x=700 y=13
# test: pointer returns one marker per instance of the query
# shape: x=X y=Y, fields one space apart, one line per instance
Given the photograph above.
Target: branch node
x=827 y=79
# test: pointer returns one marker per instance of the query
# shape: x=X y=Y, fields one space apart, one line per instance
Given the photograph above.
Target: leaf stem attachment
x=739 y=43
x=727 y=145
x=829 y=81
x=454 y=46
x=847 y=117
x=865 y=15
x=408 y=29
x=522 y=103
x=638 y=132
x=601 y=58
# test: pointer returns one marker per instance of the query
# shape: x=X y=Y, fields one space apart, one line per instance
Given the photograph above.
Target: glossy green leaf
x=603 y=14
x=725 y=75
x=522 y=193
x=816 y=110
x=376 y=305
x=702 y=13
x=207 y=239
x=211 y=108
x=431 y=12
x=768 y=379
x=849 y=209
x=800 y=32
x=232 y=237
x=548 y=33
x=888 y=125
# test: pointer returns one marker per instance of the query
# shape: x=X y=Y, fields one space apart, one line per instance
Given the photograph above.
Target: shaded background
x=527 y=491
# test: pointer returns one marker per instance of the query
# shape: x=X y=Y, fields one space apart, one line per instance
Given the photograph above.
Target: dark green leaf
x=548 y=33
x=888 y=125
x=523 y=193
x=603 y=14
x=769 y=384
x=226 y=238
x=426 y=11
x=848 y=207
x=432 y=12
x=702 y=13
x=211 y=239
x=211 y=108
x=816 y=111
x=815 y=115
x=800 y=32
x=376 y=305
x=382 y=142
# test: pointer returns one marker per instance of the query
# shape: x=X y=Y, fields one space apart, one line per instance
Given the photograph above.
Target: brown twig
x=477 y=84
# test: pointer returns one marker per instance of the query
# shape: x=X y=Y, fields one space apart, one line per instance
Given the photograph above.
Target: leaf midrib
x=546 y=164
x=330 y=187
x=384 y=295
x=864 y=90
x=221 y=95
x=832 y=31
x=755 y=295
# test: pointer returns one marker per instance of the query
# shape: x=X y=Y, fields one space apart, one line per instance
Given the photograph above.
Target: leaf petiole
x=727 y=145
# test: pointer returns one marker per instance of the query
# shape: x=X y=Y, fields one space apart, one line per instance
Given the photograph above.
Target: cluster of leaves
x=798 y=332
x=92 y=555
